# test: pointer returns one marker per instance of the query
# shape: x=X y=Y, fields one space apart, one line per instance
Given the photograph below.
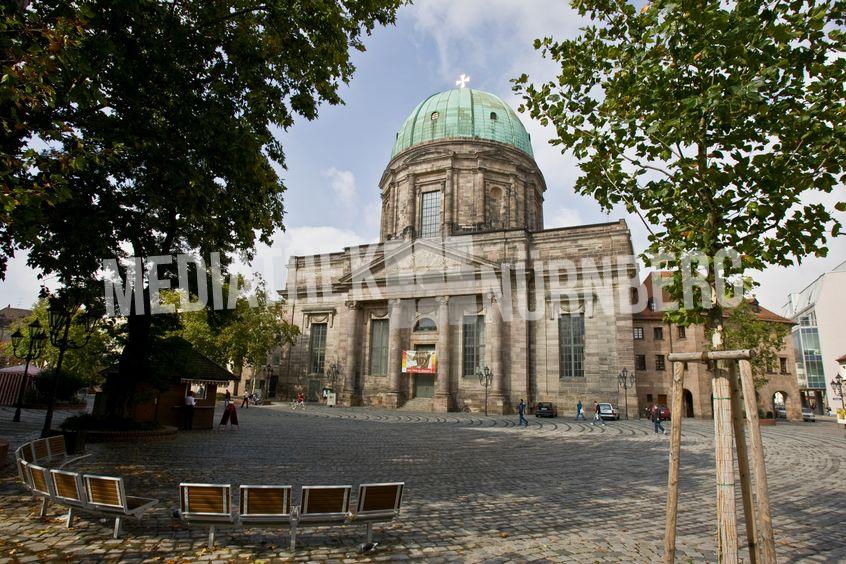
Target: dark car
x=546 y=409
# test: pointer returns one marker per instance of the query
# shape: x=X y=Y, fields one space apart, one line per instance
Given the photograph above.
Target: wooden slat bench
x=58 y=454
x=206 y=504
x=377 y=503
x=69 y=491
x=319 y=506
x=106 y=494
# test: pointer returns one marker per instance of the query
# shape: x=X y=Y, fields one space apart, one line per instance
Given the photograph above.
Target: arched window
x=493 y=116
x=434 y=116
x=425 y=324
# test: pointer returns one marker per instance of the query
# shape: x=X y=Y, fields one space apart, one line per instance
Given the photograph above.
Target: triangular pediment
x=420 y=258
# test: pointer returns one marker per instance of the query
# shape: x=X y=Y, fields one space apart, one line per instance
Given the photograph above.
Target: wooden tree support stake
x=765 y=521
x=675 y=451
x=743 y=464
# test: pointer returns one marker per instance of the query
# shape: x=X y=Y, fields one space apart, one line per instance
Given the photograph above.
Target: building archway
x=779 y=404
x=687 y=403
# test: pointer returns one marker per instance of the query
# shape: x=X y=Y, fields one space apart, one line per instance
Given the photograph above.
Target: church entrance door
x=424 y=386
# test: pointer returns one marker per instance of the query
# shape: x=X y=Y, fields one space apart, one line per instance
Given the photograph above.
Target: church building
x=466 y=298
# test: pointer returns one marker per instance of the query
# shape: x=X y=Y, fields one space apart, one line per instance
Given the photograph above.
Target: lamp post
x=837 y=384
x=626 y=381
x=62 y=310
x=37 y=337
x=485 y=378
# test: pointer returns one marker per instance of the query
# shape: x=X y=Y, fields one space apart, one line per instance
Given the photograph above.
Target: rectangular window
x=571 y=346
x=317 y=348
x=472 y=344
x=682 y=332
x=658 y=333
x=648 y=398
x=638 y=333
x=659 y=362
x=782 y=364
x=379 y=347
x=430 y=214
x=640 y=362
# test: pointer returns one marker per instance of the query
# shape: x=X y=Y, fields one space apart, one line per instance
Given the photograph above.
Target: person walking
x=521 y=410
x=580 y=411
x=656 y=419
x=188 y=411
x=597 y=415
x=246 y=403
x=227 y=399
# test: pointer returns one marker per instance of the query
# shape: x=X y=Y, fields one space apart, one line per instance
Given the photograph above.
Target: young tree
x=714 y=121
x=745 y=330
x=176 y=105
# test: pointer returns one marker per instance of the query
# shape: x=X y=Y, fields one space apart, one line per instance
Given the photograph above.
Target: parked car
x=808 y=415
x=607 y=411
x=780 y=412
x=546 y=409
x=665 y=412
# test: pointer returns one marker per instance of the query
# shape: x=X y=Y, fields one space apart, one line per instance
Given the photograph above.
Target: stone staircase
x=418 y=404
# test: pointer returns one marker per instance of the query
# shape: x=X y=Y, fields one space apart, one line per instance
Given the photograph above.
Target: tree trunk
x=134 y=363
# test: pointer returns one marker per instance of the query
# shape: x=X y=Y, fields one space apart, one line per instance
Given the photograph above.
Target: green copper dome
x=462 y=113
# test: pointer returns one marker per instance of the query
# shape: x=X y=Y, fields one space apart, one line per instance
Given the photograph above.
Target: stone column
x=493 y=338
x=443 y=390
x=350 y=394
x=411 y=210
x=392 y=396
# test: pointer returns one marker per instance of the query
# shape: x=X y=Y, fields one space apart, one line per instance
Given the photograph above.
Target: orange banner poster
x=420 y=362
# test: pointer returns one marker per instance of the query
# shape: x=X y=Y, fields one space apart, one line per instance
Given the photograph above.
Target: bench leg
x=43 y=511
x=69 y=520
x=370 y=533
x=118 y=524
x=211 y=536
x=293 y=536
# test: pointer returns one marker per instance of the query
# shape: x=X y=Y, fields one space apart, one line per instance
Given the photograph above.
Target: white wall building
x=819 y=336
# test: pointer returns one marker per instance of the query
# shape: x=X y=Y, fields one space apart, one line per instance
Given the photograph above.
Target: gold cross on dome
x=462 y=80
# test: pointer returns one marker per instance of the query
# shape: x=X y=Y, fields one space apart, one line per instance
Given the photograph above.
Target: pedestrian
x=227 y=399
x=188 y=411
x=246 y=403
x=521 y=410
x=597 y=415
x=230 y=416
x=580 y=411
x=656 y=418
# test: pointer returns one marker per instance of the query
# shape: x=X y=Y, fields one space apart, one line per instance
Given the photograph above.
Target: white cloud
x=563 y=217
x=342 y=183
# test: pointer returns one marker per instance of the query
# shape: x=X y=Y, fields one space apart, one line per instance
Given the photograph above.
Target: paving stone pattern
x=478 y=489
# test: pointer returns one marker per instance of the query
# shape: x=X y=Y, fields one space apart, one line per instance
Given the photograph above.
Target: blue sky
x=334 y=163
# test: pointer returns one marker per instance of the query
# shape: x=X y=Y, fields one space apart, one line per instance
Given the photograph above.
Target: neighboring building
x=655 y=339
x=461 y=271
x=8 y=316
x=819 y=336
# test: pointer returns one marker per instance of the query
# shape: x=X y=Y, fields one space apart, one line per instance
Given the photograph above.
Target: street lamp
x=837 y=384
x=37 y=337
x=62 y=311
x=485 y=378
x=626 y=381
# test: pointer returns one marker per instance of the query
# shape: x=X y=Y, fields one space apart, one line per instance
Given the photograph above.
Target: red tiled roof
x=761 y=312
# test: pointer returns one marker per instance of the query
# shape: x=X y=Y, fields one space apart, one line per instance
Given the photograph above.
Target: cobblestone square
x=478 y=489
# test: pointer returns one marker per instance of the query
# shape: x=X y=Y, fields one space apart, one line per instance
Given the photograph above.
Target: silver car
x=607 y=411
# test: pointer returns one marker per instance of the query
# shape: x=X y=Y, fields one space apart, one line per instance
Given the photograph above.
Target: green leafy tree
x=178 y=105
x=714 y=121
x=744 y=329
x=83 y=364
x=35 y=48
x=245 y=335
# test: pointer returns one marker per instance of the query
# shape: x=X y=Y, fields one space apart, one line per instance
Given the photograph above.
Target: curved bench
x=41 y=466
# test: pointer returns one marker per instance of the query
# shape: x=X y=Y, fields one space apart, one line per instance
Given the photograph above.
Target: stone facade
x=653 y=338
x=488 y=256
